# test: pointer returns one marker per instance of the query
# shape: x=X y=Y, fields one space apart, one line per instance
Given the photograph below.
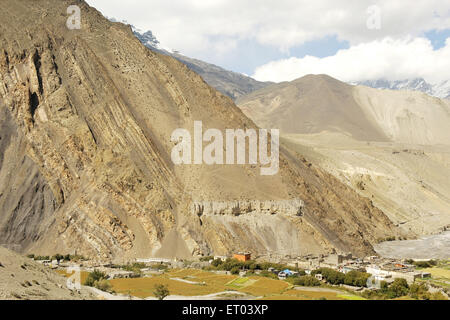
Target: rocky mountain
x=230 y=83
x=87 y=117
x=317 y=103
x=390 y=146
x=439 y=90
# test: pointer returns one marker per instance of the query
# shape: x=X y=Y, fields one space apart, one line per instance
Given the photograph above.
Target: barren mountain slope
x=407 y=116
x=406 y=177
x=408 y=182
x=317 y=103
x=93 y=110
x=311 y=104
x=229 y=83
x=23 y=279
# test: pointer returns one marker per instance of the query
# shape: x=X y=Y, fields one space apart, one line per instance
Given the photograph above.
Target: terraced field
x=200 y=283
x=440 y=275
x=195 y=283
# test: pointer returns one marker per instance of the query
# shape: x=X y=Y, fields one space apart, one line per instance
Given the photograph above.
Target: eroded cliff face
x=87 y=117
x=25 y=196
x=237 y=208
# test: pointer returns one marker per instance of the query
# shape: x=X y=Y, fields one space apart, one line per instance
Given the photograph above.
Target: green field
x=239 y=283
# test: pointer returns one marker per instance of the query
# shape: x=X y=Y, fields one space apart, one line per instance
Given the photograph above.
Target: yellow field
x=350 y=297
x=84 y=274
x=404 y=298
x=213 y=283
x=268 y=289
x=201 y=276
x=144 y=287
x=311 y=295
x=265 y=286
x=438 y=272
x=282 y=297
x=209 y=282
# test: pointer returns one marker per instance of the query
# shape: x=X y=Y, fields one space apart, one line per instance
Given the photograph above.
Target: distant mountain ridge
x=391 y=146
x=232 y=84
x=317 y=103
x=236 y=85
x=440 y=90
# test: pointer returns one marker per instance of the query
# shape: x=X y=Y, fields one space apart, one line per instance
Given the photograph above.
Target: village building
x=242 y=256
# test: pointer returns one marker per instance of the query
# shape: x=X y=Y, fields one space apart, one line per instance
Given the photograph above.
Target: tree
x=307 y=281
x=95 y=276
x=331 y=276
x=235 y=270
x=161 y=291
x=57 y=257
x=384 y=285
x=356 y=278
x=216 y=263
x=398 y=288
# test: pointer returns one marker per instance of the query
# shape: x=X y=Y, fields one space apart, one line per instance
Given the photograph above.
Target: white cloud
x=196 y=25
x=387 y=58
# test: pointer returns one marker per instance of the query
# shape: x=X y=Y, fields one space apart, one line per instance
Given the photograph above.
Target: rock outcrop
x=238 y=207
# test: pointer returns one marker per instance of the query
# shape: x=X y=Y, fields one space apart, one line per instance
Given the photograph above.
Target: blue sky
x=284 y=39
x=250 y=54
x=437 y=37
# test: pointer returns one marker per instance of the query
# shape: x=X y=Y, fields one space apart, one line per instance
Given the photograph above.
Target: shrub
x=425 y=264
x=94 y=277
x=57 y=257
x=419 y=291
x=161 y=291
x=207 y=258
x=235 y=270
x=438 y=296
x=135 y=267
x=268 y=274
x=103 y=285
x=40 y=258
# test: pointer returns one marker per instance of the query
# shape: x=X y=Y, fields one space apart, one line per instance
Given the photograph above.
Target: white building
x=380 y=274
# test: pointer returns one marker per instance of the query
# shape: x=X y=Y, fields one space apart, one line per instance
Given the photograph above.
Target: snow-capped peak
x=440 y=90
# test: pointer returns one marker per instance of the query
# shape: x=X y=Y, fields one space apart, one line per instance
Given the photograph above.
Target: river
x=429 y=247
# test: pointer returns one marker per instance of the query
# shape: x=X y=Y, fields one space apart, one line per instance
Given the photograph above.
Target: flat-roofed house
x=242 y=256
